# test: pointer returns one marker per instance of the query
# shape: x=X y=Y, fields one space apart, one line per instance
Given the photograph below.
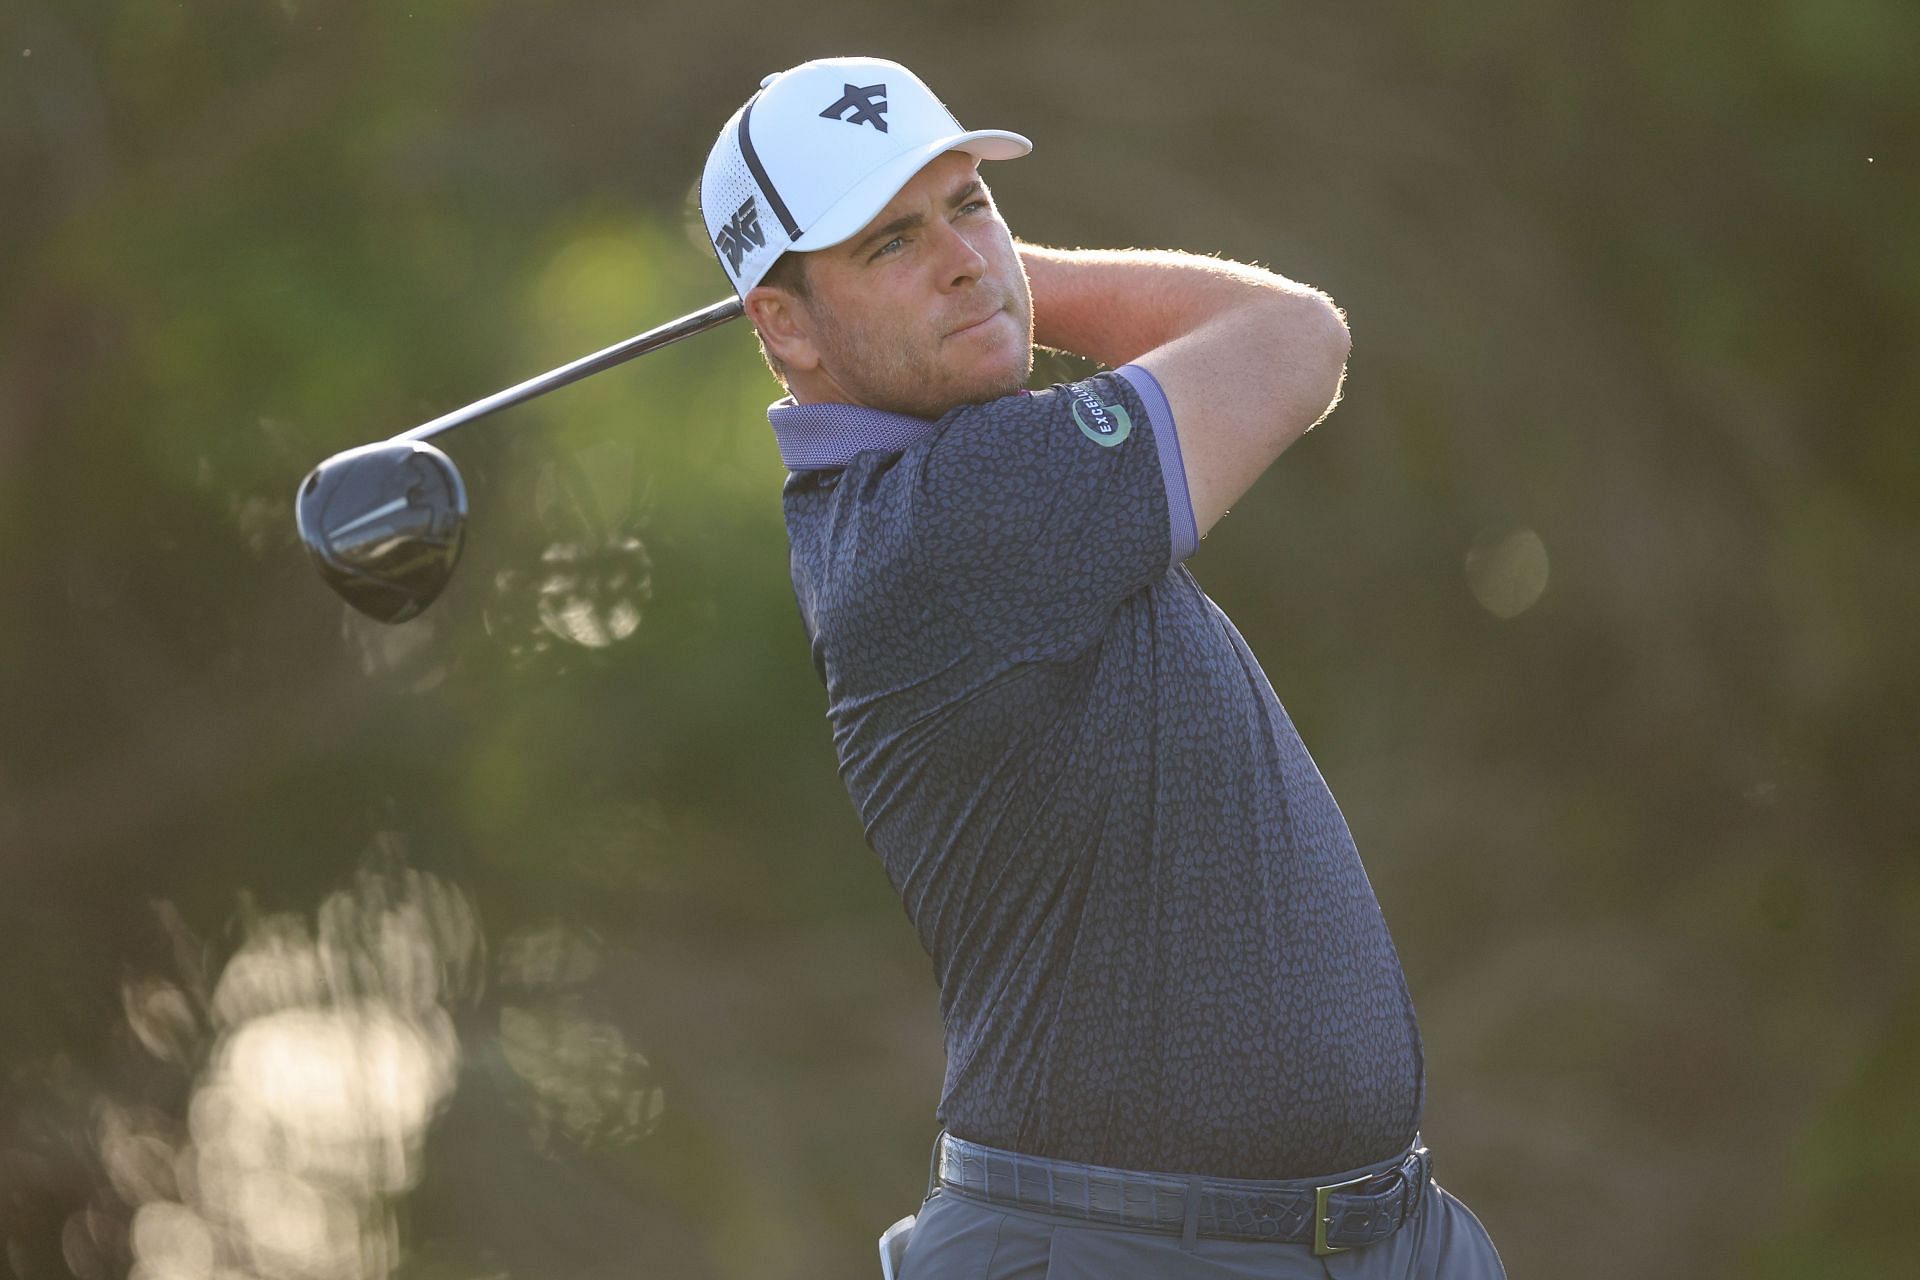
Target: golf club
x=384 y=522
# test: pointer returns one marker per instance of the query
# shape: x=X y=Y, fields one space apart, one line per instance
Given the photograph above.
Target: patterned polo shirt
x=1156 y=946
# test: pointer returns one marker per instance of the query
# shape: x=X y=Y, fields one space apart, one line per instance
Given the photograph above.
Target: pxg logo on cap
x=867 y=102
x=818 y=151
x=741 y=233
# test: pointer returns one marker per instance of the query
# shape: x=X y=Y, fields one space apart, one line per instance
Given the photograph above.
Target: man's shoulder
x=987 y=476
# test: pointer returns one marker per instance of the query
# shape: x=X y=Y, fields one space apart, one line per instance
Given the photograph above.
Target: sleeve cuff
x=1185 y=533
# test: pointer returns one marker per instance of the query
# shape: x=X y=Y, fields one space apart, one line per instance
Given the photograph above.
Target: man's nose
x=959 y=262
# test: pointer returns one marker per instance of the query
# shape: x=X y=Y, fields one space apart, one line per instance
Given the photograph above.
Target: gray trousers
x=957 y=1237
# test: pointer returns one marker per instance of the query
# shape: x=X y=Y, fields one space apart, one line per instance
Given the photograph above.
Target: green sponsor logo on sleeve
x=1104 y=424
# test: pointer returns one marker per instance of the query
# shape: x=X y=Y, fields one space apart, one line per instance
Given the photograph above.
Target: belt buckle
x=1321 y=1219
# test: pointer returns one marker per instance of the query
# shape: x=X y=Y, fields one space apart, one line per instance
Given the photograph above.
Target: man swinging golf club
x=1179 y=1042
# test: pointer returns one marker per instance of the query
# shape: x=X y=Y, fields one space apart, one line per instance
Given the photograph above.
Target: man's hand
x=1249 y=360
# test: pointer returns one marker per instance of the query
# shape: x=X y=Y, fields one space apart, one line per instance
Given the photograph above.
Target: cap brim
x=870 y=195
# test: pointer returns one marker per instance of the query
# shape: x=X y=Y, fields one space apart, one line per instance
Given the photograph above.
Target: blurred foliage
x=1590 y=601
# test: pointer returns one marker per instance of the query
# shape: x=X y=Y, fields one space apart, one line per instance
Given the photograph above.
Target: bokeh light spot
x=324 y=1053
x=1507 y=571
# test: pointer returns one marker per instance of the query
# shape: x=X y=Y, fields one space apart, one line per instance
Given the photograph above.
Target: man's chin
x=1005 y=376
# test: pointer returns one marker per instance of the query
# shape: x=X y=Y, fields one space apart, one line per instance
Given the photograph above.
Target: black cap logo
x=867 y=102
x=740 y=231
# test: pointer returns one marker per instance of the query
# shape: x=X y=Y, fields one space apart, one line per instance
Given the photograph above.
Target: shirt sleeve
x=1035 y=515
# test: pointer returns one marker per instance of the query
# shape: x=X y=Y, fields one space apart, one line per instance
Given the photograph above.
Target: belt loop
x=1189 y=1234
x=933 y=1165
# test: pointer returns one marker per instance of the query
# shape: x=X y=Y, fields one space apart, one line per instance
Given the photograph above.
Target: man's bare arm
x=1249 y=360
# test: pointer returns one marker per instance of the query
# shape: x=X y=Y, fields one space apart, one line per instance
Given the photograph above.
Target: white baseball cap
x=818 y=151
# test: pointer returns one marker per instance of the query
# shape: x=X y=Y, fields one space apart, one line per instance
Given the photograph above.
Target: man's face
x=927 y=307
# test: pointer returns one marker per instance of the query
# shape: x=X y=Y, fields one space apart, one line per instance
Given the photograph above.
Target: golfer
x=1179 y=1042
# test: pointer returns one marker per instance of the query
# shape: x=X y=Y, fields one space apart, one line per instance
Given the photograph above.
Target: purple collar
x=816 y=436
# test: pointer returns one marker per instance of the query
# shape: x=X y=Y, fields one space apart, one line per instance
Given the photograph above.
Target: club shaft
x=652 y=340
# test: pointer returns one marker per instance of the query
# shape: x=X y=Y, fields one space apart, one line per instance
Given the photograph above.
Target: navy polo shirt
x=1155 y=943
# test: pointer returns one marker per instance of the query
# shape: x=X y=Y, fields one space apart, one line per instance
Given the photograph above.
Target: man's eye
x=888 y=247
x=973 y=206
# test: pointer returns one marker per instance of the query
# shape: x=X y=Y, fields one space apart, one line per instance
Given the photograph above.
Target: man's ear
x=784 y=325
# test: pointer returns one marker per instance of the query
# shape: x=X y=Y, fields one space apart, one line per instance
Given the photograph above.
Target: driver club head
x=384 y=525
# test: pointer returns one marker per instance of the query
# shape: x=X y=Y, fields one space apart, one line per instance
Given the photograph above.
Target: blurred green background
x=536 y=938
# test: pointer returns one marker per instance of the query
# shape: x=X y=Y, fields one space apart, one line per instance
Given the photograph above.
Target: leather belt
x=1347 y=1212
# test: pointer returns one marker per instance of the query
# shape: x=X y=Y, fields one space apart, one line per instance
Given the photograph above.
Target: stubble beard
x=891 y=372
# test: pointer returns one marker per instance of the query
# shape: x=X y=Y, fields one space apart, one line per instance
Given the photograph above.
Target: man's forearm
x=1248 y=360
x=1115 y=305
